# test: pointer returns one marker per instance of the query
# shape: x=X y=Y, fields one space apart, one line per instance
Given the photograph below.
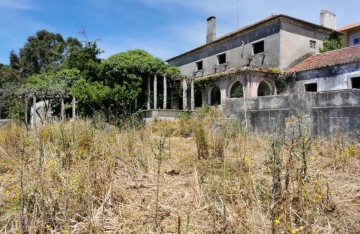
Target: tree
x=332 y=42
x=41 y=52
x=84 y=58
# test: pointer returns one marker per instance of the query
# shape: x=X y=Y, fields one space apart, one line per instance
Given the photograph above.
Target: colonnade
x=165 y=93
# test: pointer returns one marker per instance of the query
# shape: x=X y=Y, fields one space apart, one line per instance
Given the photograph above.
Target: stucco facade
x=274 y=43
x=351 y=35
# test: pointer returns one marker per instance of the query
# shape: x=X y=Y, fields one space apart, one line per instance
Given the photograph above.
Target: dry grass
x=81 y=178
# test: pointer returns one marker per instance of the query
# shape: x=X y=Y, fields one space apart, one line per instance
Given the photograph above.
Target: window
x=356 y=41
x=312 y=87
x=355 y=83
x=236 y=90
x=263 y=89
x=221 y=58
x=312 y=44
x=258 y=47
x=199 y=65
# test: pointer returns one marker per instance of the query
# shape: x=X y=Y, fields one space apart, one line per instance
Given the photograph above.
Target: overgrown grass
x=195 y=175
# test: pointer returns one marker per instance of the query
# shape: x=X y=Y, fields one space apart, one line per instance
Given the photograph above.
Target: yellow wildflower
x=292 y=231
x=277 y=221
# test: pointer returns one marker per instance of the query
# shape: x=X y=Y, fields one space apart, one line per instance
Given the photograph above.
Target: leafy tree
x=84 y=58
x=40 y=52
x=332 y=42
x=8 y=75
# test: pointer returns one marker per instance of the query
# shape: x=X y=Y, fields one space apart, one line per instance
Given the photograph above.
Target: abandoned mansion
x=268 y=72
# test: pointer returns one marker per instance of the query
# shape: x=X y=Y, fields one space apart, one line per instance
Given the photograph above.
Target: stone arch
x=214 y=96
x=235 y=90
x=264 y=89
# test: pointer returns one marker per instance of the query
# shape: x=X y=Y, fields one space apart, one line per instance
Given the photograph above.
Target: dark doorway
x=215 y=96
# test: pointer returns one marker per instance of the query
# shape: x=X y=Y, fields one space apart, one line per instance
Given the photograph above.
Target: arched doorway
x=215 y=96
x=264 y=89
x=236 y=90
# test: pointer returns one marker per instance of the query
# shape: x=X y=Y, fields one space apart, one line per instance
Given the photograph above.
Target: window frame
x=219 y=56
x=255 y=43
x=197 y=63
x=308 y=87
x=312 y=44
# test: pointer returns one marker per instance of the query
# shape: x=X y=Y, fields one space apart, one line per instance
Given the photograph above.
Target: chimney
x=211 y=29
x=328 y=19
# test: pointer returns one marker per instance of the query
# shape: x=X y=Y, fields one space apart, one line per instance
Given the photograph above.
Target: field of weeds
x=195 y=175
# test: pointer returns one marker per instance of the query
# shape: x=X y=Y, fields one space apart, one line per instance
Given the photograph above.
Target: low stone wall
x=328 y=112
x=167 y=114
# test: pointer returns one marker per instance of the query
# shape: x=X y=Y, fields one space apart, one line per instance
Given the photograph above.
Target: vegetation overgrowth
x=199 y=174
x=52 y=68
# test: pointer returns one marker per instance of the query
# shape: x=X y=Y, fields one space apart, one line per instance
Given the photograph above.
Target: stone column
x=165 y=93
x=62 y=110
x=33 y=117
x=184 y=94
x=155 y=92
x=148 y=93
x=192 y=95
x=73 y=108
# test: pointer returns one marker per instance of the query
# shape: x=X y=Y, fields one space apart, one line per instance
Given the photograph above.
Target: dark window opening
x=221 y=58
x=199 y=65
x=312 y=87
x=312 y=44
x=258 y=47
x=263 y=89
x=355 y=83
x=357 y=41
x=237 y=90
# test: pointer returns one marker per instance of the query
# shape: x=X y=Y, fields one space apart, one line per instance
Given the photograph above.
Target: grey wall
x=329 y=112
x=285 y=43
x=330 y=78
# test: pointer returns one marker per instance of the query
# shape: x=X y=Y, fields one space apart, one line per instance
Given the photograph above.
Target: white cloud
x=16 y=4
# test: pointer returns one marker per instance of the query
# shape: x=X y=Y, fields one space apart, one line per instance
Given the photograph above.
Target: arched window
x=236 y=90
x=215 y=96
x=264 y=89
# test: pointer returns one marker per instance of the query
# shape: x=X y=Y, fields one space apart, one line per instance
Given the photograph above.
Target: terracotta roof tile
x=349 y=27
x=328 y=59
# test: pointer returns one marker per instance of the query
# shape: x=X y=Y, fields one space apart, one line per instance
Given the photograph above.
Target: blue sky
x=165 y=28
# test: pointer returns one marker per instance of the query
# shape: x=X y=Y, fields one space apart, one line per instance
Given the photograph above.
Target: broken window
x=356 y=41
x=221 y=58
x=199 y=65
x=258 y=47
x=264 y=89
x=312 y=44
x=355 y=83
x=312 y=87
x=236 y=90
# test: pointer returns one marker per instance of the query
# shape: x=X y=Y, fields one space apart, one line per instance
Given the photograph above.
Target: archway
x=215 y=96
x=264 y=89
x=236 y=90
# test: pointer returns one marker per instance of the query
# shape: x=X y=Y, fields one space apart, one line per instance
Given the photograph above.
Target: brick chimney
x=328 y=19
x=211 y=29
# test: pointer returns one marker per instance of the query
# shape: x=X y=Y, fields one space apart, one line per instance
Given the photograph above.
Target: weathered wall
x=349 y=36
x=329 y=112
x=331 y=78
x=285 y=42
x=238 y=52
